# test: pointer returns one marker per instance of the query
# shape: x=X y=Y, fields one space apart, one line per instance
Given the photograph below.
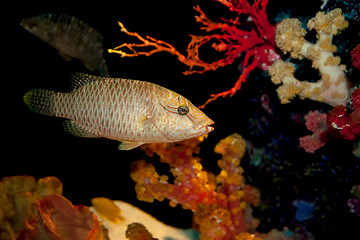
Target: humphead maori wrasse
x=134 y=112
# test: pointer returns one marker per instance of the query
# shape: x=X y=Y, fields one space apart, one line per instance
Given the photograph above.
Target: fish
x=72 y=37
x=131 y=111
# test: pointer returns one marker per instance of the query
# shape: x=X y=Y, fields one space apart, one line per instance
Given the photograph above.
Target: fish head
x=179 y=119
x=42 y=26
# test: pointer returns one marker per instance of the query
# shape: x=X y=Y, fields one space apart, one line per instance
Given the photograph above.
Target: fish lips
x=204 y=127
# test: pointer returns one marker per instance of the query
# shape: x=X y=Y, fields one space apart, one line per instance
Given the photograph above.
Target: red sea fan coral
x=220 y=204
x=253 y=39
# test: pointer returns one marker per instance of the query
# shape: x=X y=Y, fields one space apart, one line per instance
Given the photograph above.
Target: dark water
x=37 y=145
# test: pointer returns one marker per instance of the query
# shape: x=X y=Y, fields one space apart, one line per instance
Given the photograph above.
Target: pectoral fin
x=76 y=130
x=128 y=145
x=145 y=123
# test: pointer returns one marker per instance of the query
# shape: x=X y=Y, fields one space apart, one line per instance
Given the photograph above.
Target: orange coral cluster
x=31 y=209
x=18 y=195
x=58 y=219
x=219 y=203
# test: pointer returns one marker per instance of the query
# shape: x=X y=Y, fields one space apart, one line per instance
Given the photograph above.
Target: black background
x=37 y=145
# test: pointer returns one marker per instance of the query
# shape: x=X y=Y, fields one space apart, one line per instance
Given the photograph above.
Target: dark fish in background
x=72 y=37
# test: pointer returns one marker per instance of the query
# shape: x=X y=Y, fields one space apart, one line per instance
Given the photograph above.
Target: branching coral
x=333 y=87
x=220 y=204
x=253 y=39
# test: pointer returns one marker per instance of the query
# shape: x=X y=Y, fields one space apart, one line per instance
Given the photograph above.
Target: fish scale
x=131 y=111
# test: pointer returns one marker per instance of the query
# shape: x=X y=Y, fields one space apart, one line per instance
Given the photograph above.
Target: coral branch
x=158 y=45
x=333 y=87
x=235 y=88
x=253 y=41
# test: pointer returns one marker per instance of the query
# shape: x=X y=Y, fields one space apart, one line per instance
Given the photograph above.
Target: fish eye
x=183 y=110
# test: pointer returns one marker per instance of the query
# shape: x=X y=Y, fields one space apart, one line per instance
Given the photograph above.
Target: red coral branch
x=254 y=40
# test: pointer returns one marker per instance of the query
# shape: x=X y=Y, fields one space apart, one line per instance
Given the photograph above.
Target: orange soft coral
x=219 y=203
x=18 y=195
x=191 y=185
x=58 y=219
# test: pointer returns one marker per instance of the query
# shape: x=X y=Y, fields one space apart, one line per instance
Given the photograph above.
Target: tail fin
x=40 y=101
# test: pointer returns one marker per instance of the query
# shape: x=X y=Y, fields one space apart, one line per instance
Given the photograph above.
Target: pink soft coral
x=341 y=120
x=316 y=123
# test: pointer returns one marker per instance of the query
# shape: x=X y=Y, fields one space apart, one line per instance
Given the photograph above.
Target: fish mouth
x=209 y=128
x=205 y=127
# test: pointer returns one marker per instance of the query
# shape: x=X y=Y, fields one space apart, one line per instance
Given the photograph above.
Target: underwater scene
x=181 y=120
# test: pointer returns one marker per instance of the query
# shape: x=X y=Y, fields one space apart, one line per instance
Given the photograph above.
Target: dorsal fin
x=78 y=80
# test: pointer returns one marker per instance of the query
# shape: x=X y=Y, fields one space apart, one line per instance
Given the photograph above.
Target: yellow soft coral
x=333 y=87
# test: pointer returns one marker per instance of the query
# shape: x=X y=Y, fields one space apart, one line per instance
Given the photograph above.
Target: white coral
x=333 y=87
